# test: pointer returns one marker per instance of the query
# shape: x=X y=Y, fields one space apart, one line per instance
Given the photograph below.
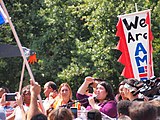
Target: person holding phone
x=23 y=102
x=7 y=106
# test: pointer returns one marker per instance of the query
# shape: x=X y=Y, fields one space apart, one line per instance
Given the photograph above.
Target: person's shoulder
x=81 y=95
x=112 y=101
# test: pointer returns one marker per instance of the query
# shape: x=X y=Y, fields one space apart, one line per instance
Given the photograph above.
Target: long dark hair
x=109 y=90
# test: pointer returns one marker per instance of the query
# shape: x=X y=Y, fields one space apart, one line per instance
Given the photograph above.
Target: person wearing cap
x=50 y=92
x=131 y=89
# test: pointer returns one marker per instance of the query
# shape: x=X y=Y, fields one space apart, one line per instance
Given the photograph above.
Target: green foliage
x=72 y=38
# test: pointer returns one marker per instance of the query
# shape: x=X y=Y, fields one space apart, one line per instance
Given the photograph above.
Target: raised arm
x=20 y=104
x=33 y=108
x=82 y=89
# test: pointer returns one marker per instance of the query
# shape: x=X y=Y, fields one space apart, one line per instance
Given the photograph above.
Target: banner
x=135 y=44
x=7 y=50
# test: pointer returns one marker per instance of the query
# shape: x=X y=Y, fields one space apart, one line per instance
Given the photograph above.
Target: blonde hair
x=67 y=85
x=59 y=98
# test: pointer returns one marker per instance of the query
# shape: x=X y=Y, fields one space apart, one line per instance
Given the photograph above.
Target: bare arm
x=82 y=89
x=11 y=117
x=33 y=108
x=20 y=104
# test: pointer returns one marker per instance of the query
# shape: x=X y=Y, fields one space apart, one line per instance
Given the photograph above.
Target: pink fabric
x=109 y=108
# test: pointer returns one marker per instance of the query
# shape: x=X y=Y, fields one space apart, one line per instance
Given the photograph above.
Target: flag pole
x=136 y=7
x=22 y=75
x=149 y=51
x=21 y=50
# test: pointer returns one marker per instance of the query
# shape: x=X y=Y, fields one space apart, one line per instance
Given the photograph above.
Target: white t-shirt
x=18 y=114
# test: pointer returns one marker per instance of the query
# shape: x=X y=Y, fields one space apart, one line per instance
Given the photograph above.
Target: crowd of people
x=95 y=96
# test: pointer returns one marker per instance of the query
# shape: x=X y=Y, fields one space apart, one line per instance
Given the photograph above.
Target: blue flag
x=3 y=17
